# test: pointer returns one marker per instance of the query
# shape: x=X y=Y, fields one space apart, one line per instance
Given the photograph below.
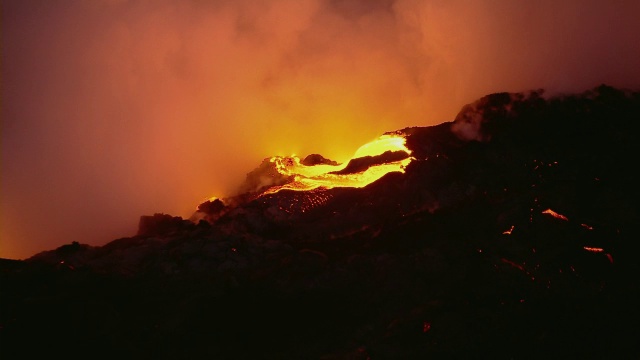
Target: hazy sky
x=112 y=109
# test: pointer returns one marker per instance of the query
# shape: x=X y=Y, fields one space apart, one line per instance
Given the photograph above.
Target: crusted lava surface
x=512 y=234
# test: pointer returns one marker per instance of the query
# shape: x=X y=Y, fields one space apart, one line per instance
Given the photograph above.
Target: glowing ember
x=508 y=232
x=593 y=249
x=514 y=264
x=330 y=176
x=426 y=326
x=555 y=214
x=610 y=258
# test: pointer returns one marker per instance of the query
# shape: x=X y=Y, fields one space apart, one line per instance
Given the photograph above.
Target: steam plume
x=112 y=109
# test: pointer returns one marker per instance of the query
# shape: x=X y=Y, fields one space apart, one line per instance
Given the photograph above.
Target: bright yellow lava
x=313 y=177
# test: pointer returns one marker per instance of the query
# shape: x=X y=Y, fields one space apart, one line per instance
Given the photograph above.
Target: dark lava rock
x=317 y=159
x=160 y=224
x=211 y=207
x=262 y=177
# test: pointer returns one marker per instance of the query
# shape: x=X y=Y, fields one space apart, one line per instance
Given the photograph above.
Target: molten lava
x=593 y=249
x=330 y=176
x=555 y=214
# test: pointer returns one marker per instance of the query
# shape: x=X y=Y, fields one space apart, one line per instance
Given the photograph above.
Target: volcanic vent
x=314 y=175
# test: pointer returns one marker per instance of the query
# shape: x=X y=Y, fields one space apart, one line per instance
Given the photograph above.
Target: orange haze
x=112 y=109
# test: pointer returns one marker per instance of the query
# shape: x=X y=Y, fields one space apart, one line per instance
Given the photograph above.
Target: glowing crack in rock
x=508 y=232
x=555 y=214
x=331 y=176
x=593 y=249
x=587 y=226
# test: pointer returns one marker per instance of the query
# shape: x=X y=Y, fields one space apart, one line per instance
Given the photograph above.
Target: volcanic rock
x=211 y=207
x=317 y=159
x=512 y=234
x=160 y=224
x=264 y=176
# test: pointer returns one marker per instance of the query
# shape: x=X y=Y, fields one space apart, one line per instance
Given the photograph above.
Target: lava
x=555 y=214
x=593 y=249
x=508 y=232
x=330 y=176
x=587 y=226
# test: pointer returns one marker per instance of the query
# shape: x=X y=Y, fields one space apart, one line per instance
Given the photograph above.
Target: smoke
x=114 y=109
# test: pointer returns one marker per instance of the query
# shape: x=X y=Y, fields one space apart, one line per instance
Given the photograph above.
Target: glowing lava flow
x=555 y=214
x=325 y=176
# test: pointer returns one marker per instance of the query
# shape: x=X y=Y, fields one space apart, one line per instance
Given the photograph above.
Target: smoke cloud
x=113 y=109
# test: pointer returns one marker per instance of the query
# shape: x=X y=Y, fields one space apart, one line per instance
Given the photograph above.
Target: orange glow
x=144 y=106
x=555 y=214
x=508 y=232
x=326 y=176
x=514 y=264
x=382 y=144
x=593 y=249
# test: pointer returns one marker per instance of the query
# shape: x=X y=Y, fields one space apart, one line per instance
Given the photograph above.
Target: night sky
x=112 y=109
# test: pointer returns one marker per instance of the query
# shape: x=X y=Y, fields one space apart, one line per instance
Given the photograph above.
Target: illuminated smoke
x=113 y=109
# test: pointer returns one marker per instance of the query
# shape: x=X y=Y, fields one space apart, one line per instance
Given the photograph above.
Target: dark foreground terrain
x=512 y=235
